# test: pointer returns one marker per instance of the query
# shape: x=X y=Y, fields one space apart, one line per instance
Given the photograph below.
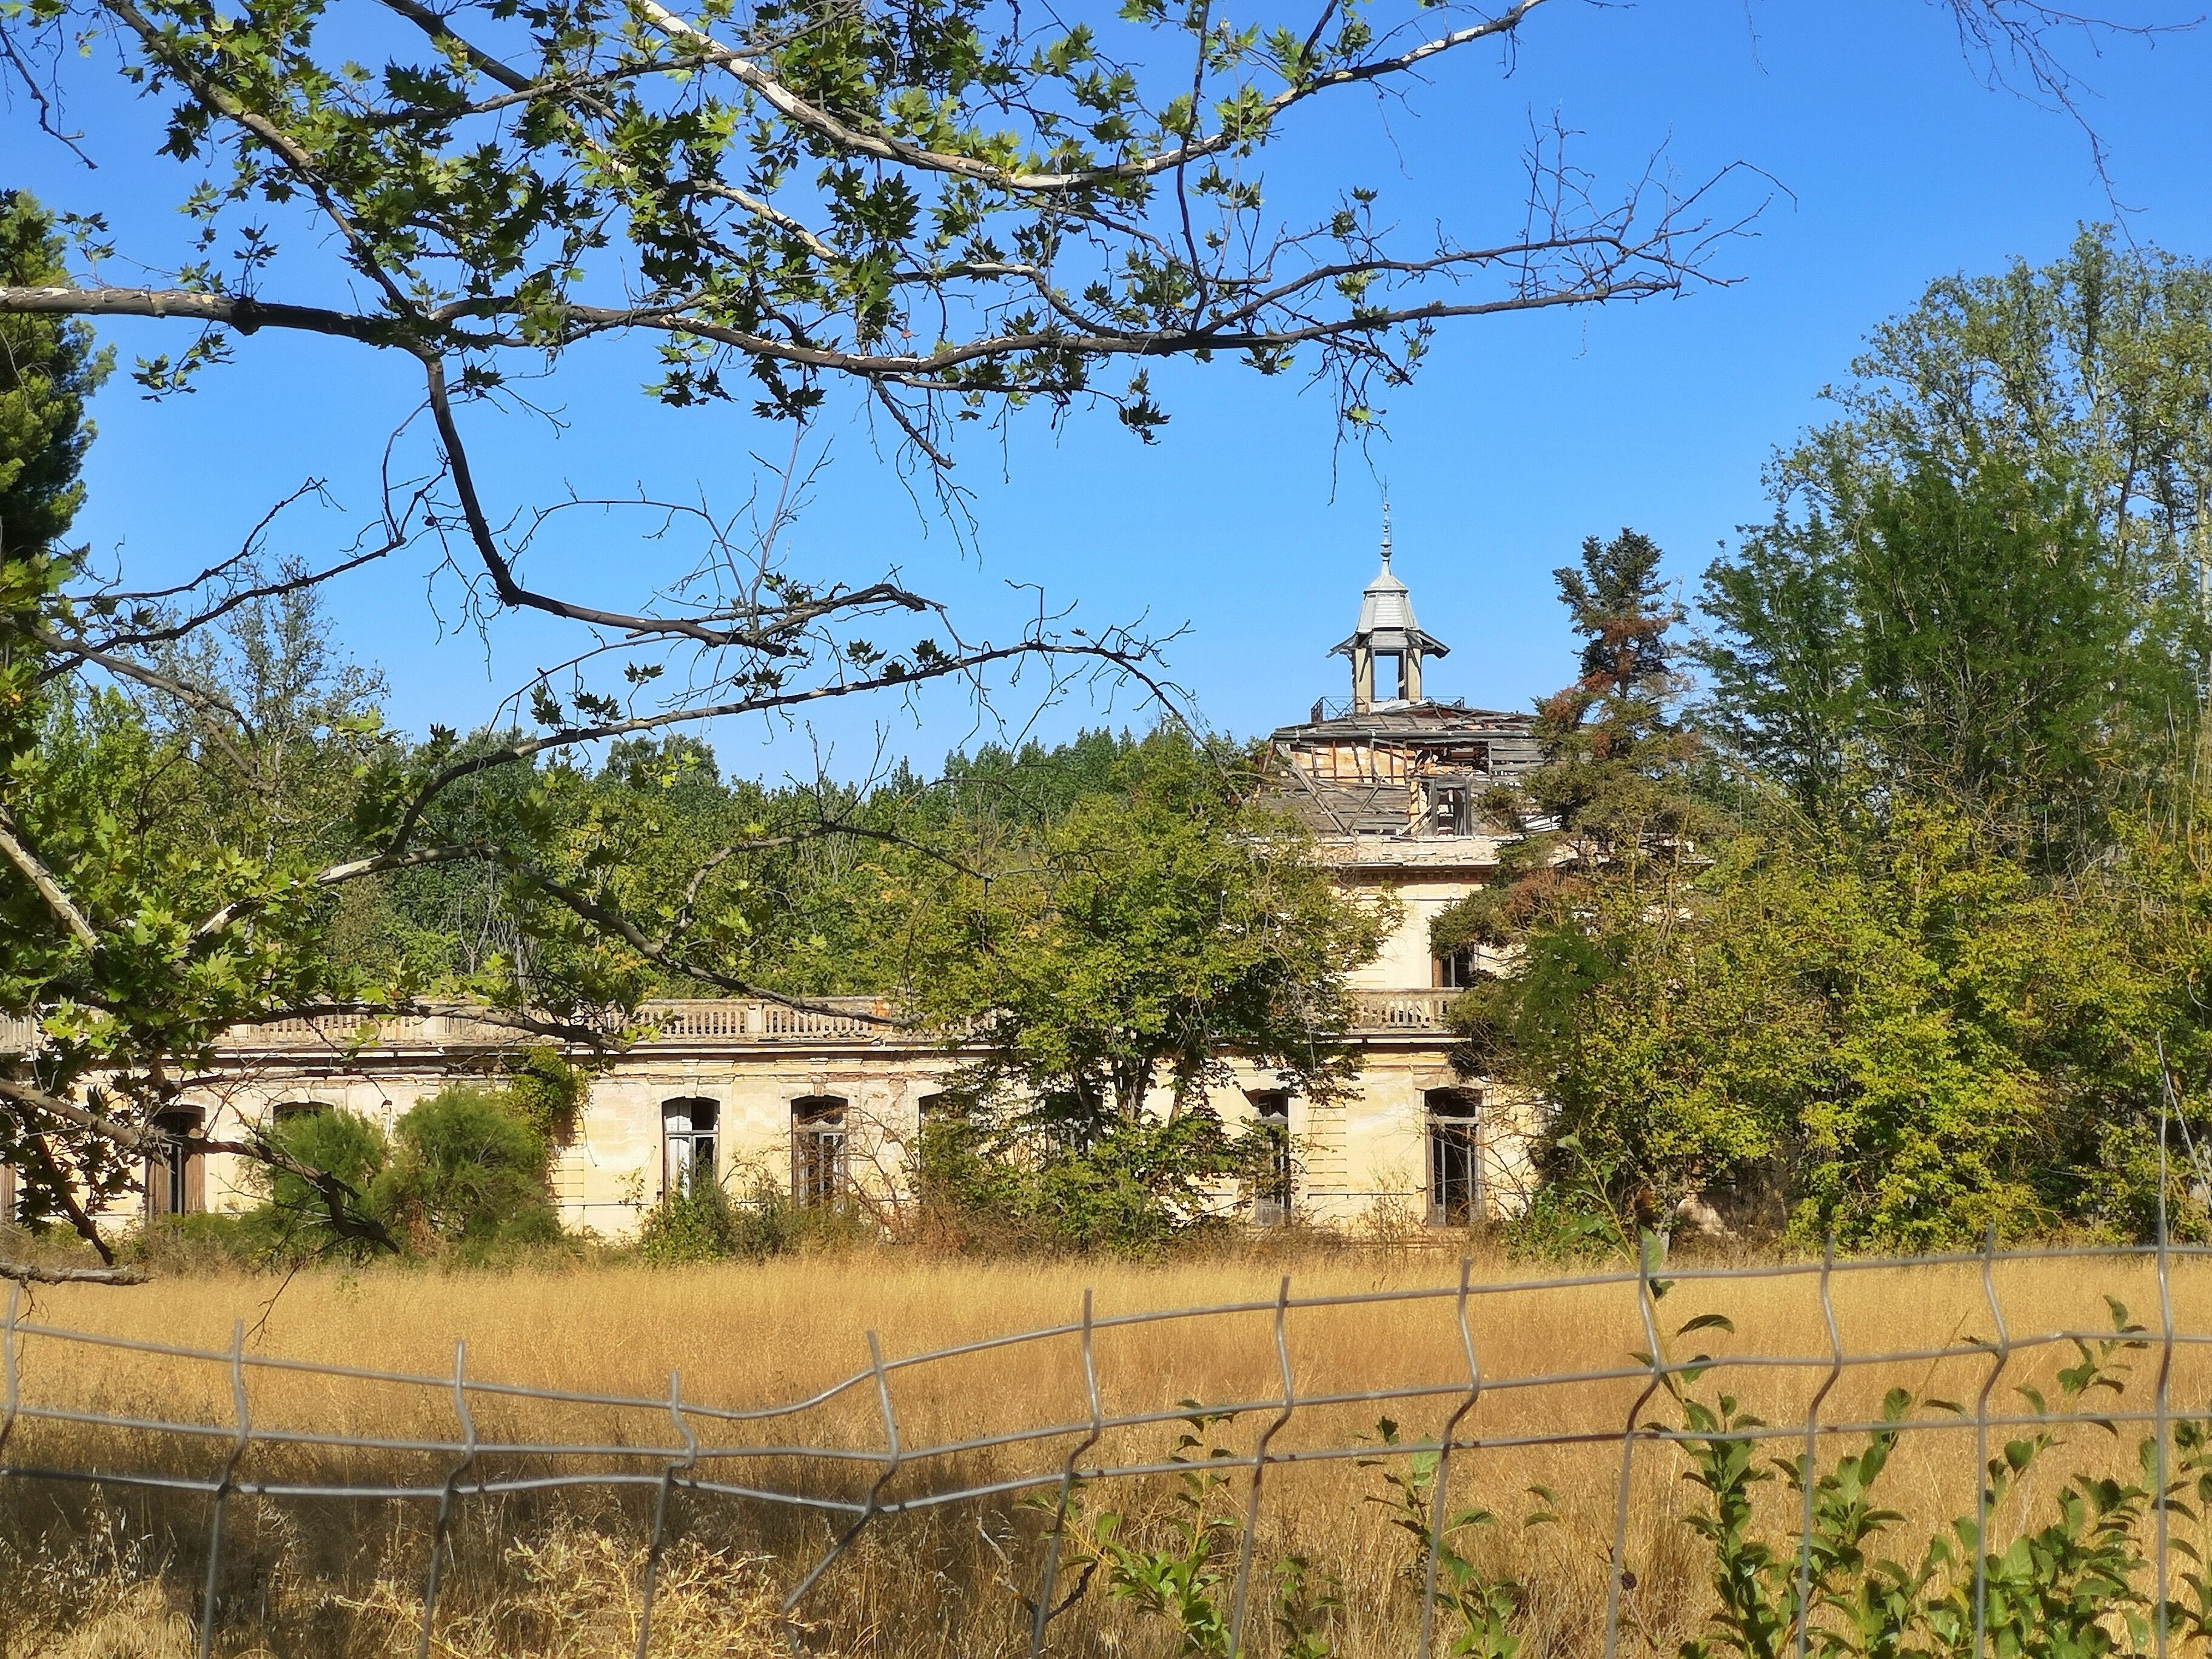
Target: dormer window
x=1450 y=813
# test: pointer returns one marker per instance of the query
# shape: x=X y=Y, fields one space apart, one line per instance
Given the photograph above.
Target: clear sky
x=1896 y=164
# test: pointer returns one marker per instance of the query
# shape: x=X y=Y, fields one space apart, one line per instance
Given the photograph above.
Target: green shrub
x=1137 y=1187
x=705 y=1224
x=203 y=1242
x=466 y=1171
x=545 y=1090
x=696 y=1225
x=293 y=1220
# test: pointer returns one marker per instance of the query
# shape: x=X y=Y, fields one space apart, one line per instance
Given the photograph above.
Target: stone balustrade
x=712 y=1021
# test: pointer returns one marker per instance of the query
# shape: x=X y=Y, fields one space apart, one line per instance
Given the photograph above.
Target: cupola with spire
x=1388 y=629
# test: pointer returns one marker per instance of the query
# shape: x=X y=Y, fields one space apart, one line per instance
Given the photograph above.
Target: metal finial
x=1386 y=529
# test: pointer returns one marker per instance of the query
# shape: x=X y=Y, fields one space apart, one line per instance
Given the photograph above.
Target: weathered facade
x=826 y=1101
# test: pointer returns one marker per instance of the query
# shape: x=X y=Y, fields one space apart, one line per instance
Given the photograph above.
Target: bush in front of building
x=466 y=1175
x=295 y=1220
x=698 y=1222
x=1003 y=1182
x=703 y=1223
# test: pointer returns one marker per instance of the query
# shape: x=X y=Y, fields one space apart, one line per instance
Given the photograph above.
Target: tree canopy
x=1921 y=946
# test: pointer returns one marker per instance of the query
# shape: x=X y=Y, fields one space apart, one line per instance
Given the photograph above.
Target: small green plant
x=1184 y=1582
x=1482 y=1607
x=2071 y=1588
x=1183 y=1573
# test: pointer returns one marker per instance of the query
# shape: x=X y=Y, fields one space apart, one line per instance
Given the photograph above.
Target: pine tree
x=1610 y=793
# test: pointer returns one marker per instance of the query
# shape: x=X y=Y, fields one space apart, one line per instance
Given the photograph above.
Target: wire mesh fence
x=1090 y=1418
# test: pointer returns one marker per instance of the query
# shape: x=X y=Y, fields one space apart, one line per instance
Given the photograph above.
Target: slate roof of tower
x=1386 y=615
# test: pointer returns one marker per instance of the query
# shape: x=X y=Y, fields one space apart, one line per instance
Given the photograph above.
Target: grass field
x=94 y=1571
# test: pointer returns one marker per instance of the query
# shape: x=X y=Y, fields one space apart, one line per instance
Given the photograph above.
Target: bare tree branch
x=24 y=1273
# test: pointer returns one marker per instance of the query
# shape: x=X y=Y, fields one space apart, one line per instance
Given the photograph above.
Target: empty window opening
x=689 y=1127
x=1271 y=1199
x=1450 y=813
x=1455 y=970
x=287 y=1112
x=1455 y=1158
x=175 y=1174
x=1390 y=670
x=817 y=1151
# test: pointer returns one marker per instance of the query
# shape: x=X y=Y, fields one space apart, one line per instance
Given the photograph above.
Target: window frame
x=1274 y=1198
x=691 y=1137
x=182 y=1173
x=819 y=1181
x=1455 y=970
x=1451 y=1135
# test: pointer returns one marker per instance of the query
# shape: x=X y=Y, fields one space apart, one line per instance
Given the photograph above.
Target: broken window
x=817 y=1151
x=1271 y=1199
x=1455 y=970
x=1455 y=1158
x=689 y=1129
x=175 y=1174
x=1448 y=811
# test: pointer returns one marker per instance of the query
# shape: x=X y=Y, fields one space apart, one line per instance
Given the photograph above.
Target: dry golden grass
x=330 y=1578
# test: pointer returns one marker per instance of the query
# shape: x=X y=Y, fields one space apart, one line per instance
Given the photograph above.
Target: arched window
x=286 y=1112
x=690 y=1127
x=1270 y=1197
x=817 y=1150
x=1454 y=1156
x=176 y=1176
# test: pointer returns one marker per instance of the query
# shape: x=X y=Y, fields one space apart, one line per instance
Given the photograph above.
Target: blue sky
x=1246 y=522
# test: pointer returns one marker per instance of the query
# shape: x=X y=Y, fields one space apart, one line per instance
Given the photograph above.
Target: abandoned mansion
x=830 y=1095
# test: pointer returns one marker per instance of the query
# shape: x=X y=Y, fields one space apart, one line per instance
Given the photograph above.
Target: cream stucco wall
x=1361 y=1160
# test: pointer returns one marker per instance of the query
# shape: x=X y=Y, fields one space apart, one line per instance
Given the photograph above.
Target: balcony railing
x=758 y=1020
x=1401 y=1010
x=701 y=1020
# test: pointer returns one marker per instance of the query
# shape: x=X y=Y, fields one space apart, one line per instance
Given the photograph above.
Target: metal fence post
x=1807 y=1475
x=208 y=1598
x=1437 y=1505
x=2001 y=1353
x=1259 y=1471
x=660 y=1510
x=8 y=1378
x=2164 y=1405
x=1618 y=1566
x=446 y=1497
x=892 y=1453
x=1040 y=1615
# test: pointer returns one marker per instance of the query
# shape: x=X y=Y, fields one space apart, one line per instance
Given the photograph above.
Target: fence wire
x=686 y=1467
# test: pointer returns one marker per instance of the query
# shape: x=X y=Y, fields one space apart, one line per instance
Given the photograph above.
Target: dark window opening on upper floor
x=1451 y=812
x=1455 y=970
